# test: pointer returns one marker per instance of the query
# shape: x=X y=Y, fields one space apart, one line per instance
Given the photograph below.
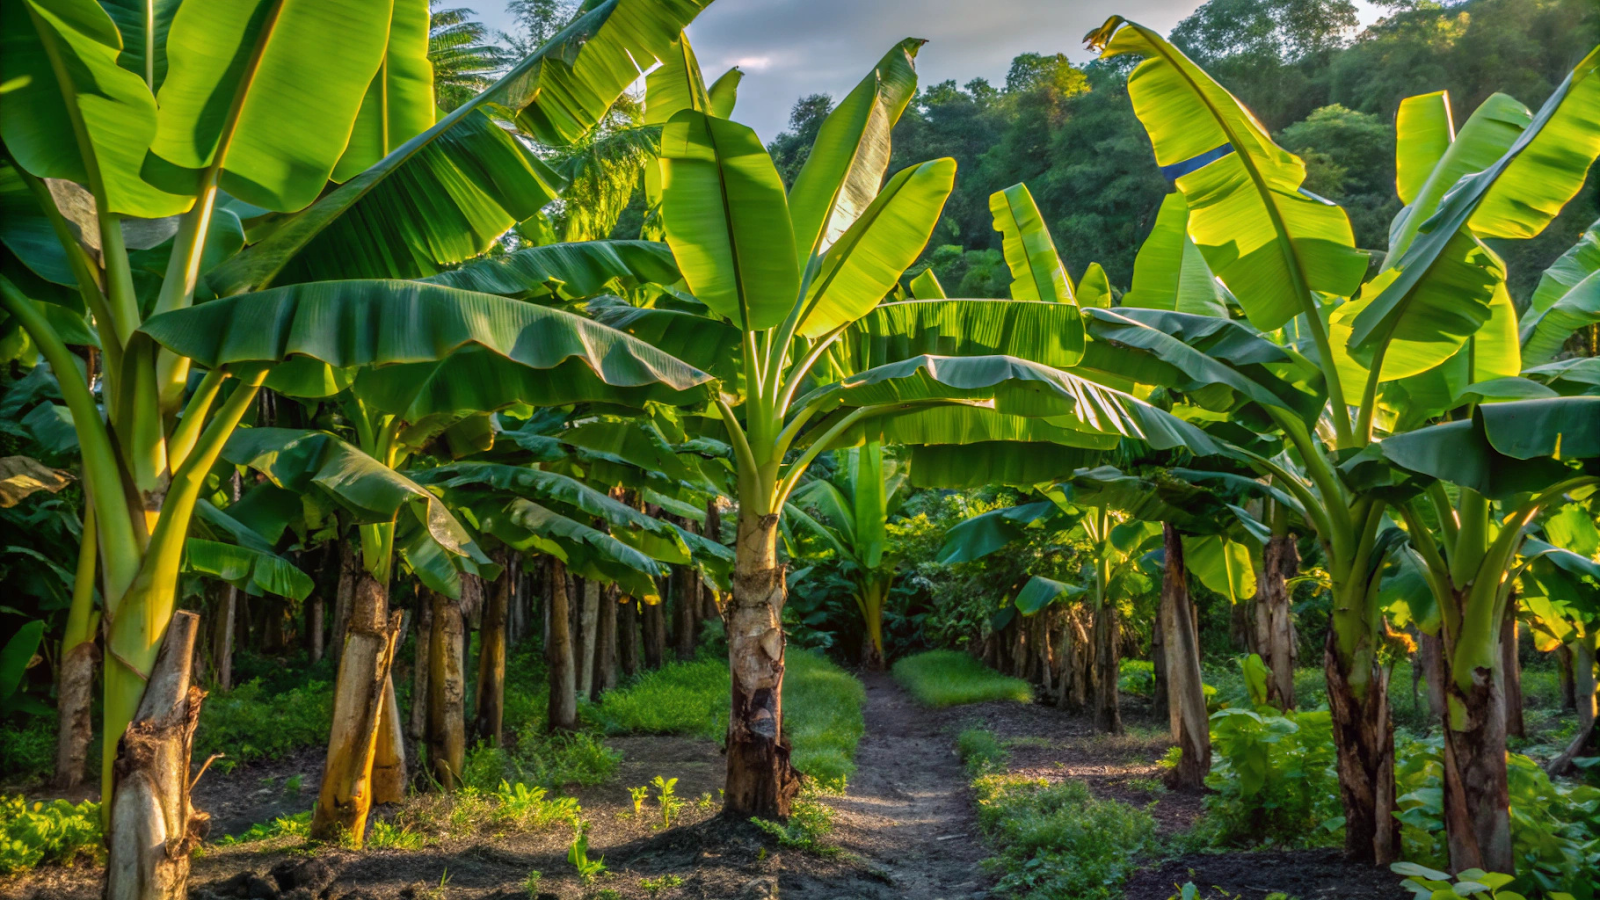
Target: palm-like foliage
x=464 y=60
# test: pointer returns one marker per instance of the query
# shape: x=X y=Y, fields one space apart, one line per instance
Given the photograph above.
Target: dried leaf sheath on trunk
x=761 y=782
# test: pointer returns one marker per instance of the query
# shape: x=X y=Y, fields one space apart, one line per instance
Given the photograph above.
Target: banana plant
x=1560 y=581
x=212 y=111
x=783 y=307
x=1431 y=333
x=848 y=512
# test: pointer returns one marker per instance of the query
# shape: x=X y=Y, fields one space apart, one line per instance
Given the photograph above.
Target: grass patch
x=980 y=751
x=1057 y=840
x=821 y=704
x=941 y=678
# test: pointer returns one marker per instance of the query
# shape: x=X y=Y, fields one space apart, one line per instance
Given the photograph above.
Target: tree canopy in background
x=1326 y=93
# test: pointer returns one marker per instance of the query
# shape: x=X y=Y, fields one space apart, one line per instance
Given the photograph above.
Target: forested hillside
x=1071 y=133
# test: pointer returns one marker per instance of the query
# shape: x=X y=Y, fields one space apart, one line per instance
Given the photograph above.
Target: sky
x=791 y=48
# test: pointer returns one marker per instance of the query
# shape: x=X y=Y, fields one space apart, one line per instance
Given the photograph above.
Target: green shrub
x=941 y=678
x=1058 y=840
x=810 y=823
x=980 y=750
x=54 y=832
x=1274 y=778
x=533 y=809
x=252 y=722
x=555 y=760
x=1555 y=825
x=1137 y=677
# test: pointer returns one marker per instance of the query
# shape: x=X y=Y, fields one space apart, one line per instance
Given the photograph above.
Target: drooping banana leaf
x=1272 y=244
x=372 y=492
x=1221 y=565
x=1047 y=333
x=1567 y=298
x=842 y=173
x=719 y=194
x=1040 y=592
x=440 y=350
x=866 y=262
x=246 y=568
x=1505 y=448
x=571 y=270
x=21 y=476
x=983 y=534
x=588 y=552
x=708 y=344
x=465 y=181
x=1013 y=463
x=1036 y=269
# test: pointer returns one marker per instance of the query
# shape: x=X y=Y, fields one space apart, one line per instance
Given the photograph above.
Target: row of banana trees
x=317 y=210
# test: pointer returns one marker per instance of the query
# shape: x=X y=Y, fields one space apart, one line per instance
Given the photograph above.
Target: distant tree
x=534 y=22
x=1281 y=31
x=1349 y=158
x=464 y=62
x=790 y=149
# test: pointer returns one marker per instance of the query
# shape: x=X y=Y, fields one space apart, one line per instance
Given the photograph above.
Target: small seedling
x=654 y=886
x=578 y=855
x=436 y=893
x=638 y=795
x=705 y=802
x=292 y=786
x=667 y=799
x=531 y=883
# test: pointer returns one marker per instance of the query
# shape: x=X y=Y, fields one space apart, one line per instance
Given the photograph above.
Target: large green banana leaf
x=1272 y=244
x=70 y=111
x=1567 y=298
x=676 y=85
x=423 y=336
x=1568 y=376
x=726 y=220
x=1047 y=333
x=1423 y=132
x=866 y=262
x=460 y=184
x=1011 y=462
x=1039 y=592
x=1514 y=197
x=1505 y=448
x=144 y=25
x=708 y=344
x=864 y=472
x=1017 y=387
x=1036 y=269
x=588 y=552
x=399 y=101
x=1209 y=352
x=847 y=160
x=633 y=441
x=956 y=425
x=983 y=534
x=1221 y=565
x=572 y=270
x=372 y=492
x=268 y=90
x=1169 y=271
x=246 y=560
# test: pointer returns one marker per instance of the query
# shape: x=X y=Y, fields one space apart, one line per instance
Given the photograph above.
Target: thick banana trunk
x=389 y=755
x=359 y=698
x=761 y=782
x=1107 y=656
x=422 y=635
x=605 y=649
x=223 y=629
x=1185 y=691
x=588 y=623
x=655 y=635
x=563 y=708
x=628 y=636
x=447 y=744
x=1274 y=622
x=1511 y=671
x=1364 y=737
x=153 y=827
x=490 y=694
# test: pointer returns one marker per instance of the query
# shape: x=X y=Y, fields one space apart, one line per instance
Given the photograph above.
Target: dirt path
x=907 y=812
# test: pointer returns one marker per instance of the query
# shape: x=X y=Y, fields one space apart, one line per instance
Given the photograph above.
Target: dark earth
x=906 y=828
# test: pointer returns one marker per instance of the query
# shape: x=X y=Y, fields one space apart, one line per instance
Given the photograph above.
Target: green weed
x=1057 y=840
x=941 y=678
x=578 y=855
x=555 y=760
x=980 y=751
x=638 y=795
x=54 y=832
x=1274 y=778
x=810 y=823
x=532 y=882
x=533 y=808
x=654 y=886
x=386 y=836
x=667 y=799
x=297 y=825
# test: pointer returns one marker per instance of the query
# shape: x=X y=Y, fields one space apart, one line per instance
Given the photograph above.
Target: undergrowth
x=980 y=751
x=810 y=823
x=940 y=678
x=54 y=832
x=253 y=722
x=1058 y=840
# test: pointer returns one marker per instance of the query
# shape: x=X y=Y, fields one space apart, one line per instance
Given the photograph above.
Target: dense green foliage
x=1055 y=839
x=1072 y=135
x=940 y=678
x=1273 y=777
x=53 y=832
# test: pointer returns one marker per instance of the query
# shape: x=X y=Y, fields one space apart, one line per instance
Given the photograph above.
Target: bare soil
x=905 y=829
